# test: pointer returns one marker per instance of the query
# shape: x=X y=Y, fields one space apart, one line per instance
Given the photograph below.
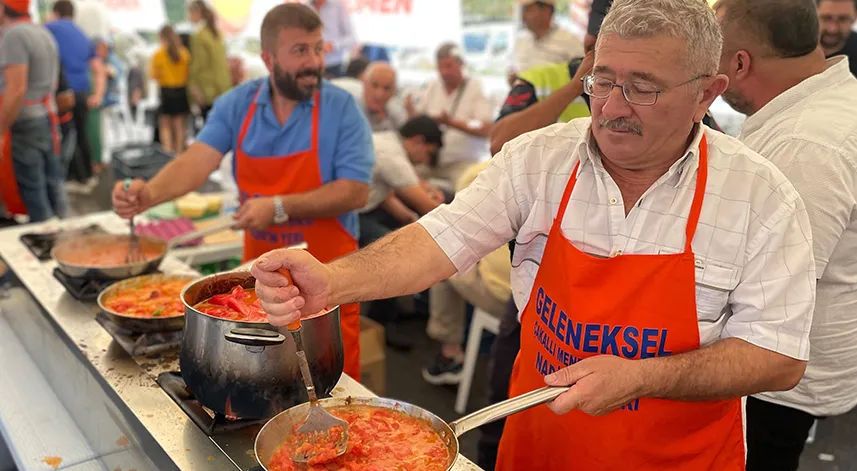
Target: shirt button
x=613 y=201
x=699 y=263
x=616 y=253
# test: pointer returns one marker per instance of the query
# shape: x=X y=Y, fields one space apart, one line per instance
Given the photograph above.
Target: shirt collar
x=836 y=72
x=677 y=174
x=264 y=97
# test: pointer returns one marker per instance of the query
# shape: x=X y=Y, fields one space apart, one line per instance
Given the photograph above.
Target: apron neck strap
x=698 y=195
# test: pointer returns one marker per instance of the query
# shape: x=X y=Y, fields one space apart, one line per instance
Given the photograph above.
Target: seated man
x=396 y=195
x=487 y=287
x=378 y=101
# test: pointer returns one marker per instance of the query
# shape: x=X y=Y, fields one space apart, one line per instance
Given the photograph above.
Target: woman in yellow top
x=210 y=76
x=170 y=66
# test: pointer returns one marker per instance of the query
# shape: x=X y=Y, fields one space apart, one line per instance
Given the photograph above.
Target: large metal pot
x=250 y=370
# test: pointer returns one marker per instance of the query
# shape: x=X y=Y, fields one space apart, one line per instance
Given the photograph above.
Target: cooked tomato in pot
x=240 y=305
x=161 y=298
x=379 y=439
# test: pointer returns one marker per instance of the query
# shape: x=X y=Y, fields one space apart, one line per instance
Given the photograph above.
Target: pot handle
x=506 y=408
x=255 y=337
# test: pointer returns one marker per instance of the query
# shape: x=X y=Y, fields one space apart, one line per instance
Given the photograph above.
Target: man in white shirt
x=542 y=42
x=663 y=269
x=459 y=104
x=801 y=116
x=396 y=195
x=379 y=89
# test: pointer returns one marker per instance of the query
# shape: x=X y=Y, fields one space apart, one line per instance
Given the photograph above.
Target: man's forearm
x=100 y=73
x=10 y=109
x=327 y=201
x=393 y=206
x=404 y=262
x=185 y=173
x=482 y=130
x=727 y=369
x=541 y=114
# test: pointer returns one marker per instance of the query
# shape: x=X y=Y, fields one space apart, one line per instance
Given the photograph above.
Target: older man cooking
x=664 y=270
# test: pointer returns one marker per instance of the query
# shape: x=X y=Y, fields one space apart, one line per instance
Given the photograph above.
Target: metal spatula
x=320 y=426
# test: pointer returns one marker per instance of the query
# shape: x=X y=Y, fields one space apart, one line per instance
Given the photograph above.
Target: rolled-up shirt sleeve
x=484 y=216
x=773 y=303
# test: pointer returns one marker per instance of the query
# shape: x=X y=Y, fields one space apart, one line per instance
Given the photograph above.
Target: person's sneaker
x=444 y=371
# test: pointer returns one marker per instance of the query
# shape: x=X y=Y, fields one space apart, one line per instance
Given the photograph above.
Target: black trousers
x=80 y=167
x=503 y=355
x=775 y=436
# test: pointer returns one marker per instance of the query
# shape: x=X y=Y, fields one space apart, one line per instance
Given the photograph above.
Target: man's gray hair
x=691 y=21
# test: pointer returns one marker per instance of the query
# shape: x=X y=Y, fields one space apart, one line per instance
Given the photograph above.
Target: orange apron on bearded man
x=326 y=238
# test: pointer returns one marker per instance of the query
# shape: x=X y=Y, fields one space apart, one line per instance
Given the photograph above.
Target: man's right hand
x=285 y=302
x=133 y=201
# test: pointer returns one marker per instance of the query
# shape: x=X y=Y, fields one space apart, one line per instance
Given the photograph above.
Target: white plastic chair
x=482 y=321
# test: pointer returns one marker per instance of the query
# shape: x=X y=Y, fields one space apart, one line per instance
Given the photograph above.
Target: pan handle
x=506 y=408
x=255 y=337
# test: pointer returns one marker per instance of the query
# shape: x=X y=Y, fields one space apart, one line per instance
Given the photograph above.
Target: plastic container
x=139 y=161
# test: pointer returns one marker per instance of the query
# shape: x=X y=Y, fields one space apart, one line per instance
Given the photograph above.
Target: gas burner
x=40 y=245
x=209 y=421
x=83 y=288
x=137 y=344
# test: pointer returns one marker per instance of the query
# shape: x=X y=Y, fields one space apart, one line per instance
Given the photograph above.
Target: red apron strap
x=248 y=118
x=315 y=117
x=566 y=196
x=699 y=194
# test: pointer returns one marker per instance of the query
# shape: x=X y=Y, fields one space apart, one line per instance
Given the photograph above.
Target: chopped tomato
x=379 y=440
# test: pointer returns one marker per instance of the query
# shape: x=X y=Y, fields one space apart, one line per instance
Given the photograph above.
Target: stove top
x=236 y=438
x=40 y=245
x=136 y=344
x=85 y=289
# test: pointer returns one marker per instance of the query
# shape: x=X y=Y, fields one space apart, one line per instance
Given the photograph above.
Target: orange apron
x=327 y=239
x=634 y=306
x=8 y=182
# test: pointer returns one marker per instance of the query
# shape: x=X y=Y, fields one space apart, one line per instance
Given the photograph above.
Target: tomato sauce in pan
x=240 y=305
x=110 y=255
x=380 y=439
x=150 y=300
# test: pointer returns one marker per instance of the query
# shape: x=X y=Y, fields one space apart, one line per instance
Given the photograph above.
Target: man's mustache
x=621 y=124
x=309 y=73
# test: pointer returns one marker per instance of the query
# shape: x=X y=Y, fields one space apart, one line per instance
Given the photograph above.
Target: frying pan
x=279 y=428
x=148 y=244
x=142 y=324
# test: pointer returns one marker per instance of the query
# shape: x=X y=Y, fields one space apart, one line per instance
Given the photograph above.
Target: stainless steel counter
x=129 y=421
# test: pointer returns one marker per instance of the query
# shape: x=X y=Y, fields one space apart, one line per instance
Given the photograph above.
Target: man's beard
x=287 y=84
x=738 y=102
x=832 y=40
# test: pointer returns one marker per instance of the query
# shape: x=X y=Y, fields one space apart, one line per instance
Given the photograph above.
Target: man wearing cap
x=458 y=103
x=31 y=170
x=542 y=42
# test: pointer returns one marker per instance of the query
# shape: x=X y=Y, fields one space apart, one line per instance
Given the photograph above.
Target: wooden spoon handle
x=296 y=324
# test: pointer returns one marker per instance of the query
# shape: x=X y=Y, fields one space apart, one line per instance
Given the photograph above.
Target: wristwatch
x=280 y=215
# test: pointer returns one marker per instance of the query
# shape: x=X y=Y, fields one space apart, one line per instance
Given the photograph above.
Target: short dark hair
x=64 y=9
x=818 y=2
x=356 y=67
x=287 y=15
x=423 y=126
x=449 y=49
x=788 y=28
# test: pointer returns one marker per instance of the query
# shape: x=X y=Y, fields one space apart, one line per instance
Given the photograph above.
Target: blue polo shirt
x=345 y=139
x=75 y=51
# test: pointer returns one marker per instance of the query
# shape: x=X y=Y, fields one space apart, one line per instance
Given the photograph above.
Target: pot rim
x=190 y=309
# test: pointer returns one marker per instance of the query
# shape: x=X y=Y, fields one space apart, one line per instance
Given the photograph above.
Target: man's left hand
x=599 y=385
x=255 y=213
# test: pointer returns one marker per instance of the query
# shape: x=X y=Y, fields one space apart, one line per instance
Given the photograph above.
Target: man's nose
x=616 y=106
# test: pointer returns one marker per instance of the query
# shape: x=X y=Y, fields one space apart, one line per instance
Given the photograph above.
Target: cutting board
x=223 y=237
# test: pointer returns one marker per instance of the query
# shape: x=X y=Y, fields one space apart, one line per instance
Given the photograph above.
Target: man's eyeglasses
x=636 y=93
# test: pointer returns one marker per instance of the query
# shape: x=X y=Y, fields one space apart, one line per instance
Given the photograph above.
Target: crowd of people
x=612 y=204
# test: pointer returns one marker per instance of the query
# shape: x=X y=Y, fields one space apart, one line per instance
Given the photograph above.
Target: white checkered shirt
x=755 y=275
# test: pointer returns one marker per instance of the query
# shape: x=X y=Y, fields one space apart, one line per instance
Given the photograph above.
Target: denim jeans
x=39 y=170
